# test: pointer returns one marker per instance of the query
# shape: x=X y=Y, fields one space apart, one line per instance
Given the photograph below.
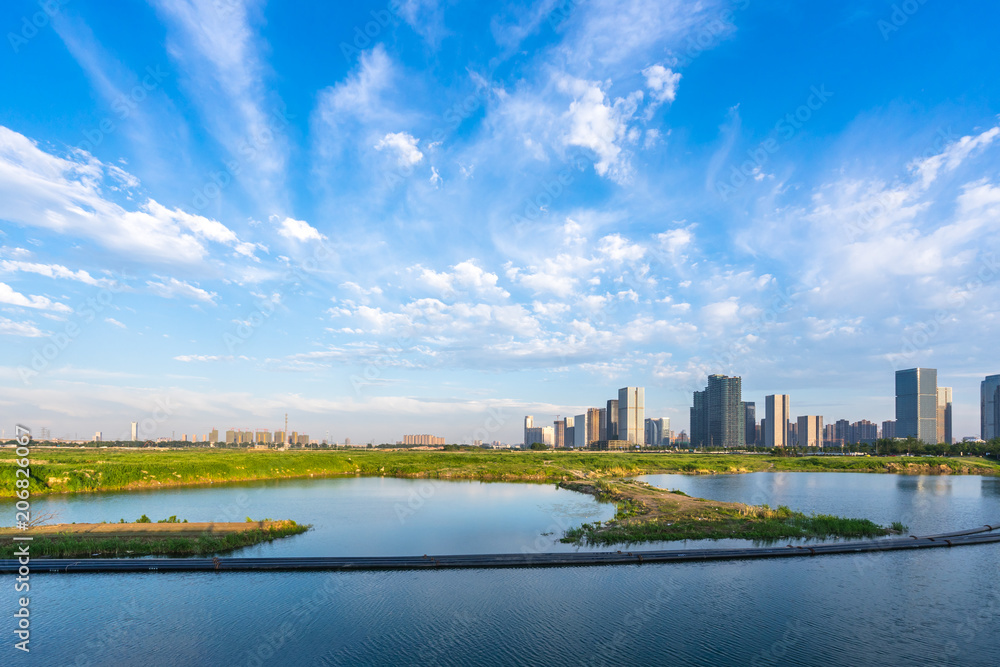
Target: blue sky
x=437 y=217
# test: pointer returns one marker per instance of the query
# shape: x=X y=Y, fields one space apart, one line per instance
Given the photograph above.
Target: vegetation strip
x=124 y=540
x=72 y=470
x=649 y=514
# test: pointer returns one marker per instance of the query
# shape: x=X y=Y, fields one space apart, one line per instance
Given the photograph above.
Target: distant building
x=98 y=437
x=602 y=429
x=750 y=423
x=776 y=410
x=213 y=436
x=559 y=433
x=580 y=431
x=829 y=436
x=944 y=415
x=279 y=437
x=594 y=420
x=889 y=429
x=916 y=404
x=792 y=437
x=718 y=418
x=135 y=431
x=810 y=431
x=989 y=408
x=632 y=415
x=864 y=431
x=569 y=432
x=612 y=424
x=529 y=424
x=657 y=432
x=424 y=439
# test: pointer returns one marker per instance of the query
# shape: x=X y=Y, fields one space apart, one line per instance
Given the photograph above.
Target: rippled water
x=933 y=607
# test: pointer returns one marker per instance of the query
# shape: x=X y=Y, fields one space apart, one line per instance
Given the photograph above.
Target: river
x=926 y=607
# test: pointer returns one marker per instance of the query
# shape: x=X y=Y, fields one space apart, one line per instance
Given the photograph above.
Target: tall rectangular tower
x=776 y=411
x=750 y=423
x=632 y=415
x=916 y=404
x=989 y=408
x=810 y=431
x=612 y=428
x=944 y=415
x=529 y=423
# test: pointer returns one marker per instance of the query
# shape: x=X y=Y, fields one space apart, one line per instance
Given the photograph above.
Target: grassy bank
x=128 y=540
x=648 y=514
x=67 y=470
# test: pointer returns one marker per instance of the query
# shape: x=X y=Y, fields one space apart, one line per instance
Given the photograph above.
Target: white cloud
x=662 y=82
x=54 y=271
x=14 y=328
x=598 y=125
x=617 y=249
x=171 y=288
x=10 y=296
x=404 y=145
x=465 y=276
x=203 y=357
x=952 y=156
x=298 y=230
x=64 y=195
x=113 y=322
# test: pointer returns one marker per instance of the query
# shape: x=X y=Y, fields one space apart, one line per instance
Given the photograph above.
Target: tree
x=538 y=446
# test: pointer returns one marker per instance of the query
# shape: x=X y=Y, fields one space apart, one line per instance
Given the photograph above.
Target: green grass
x=72 y=470
x=74 y=546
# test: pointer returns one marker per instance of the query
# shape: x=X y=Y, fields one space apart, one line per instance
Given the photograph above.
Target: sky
x=424 y=216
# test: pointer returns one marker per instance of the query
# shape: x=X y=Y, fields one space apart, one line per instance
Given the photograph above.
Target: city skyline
x=388 y=221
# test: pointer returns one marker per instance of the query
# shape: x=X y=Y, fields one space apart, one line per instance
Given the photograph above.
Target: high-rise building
x=792 y=437
x=559 y=433
x=529 y=423
x=593 y=425
x=548 y=436
x=420 y=439
x=612 y=428
x=580 y=431
x=944 y=415
x=632 y=415
x=889 y=429
x=213 y=436
x=750 y=421
x=135 y=431
x=776 y=410
x=718 y=418
x=699 y=419
x=842 y=432
x=657 y=432
x=989 y=408
x=568 y=432
x=602 y=430
x=533 y=434
x=810 y=431
x=916 y=404
x=864 y=431
x=829 y=436
x=97 y=437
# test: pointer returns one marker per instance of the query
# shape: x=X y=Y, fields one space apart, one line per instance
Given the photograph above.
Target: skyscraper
x=135 y=431
x=559 y=433
x=656 y=431
x=580 y=431
x=776 y=411
x=593 y=425
x=612 y=428
x=944 y=415
x=916 y=404
x=718 y=415
x=529 y=423
x=989 y=408
x=810 y=431
x=750 y=423
x=699 y=419
x=632 y=415
x=569 y=437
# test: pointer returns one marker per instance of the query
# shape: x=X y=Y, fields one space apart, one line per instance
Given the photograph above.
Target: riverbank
x=82 y=470
x=120 y=540
x=649 y=514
